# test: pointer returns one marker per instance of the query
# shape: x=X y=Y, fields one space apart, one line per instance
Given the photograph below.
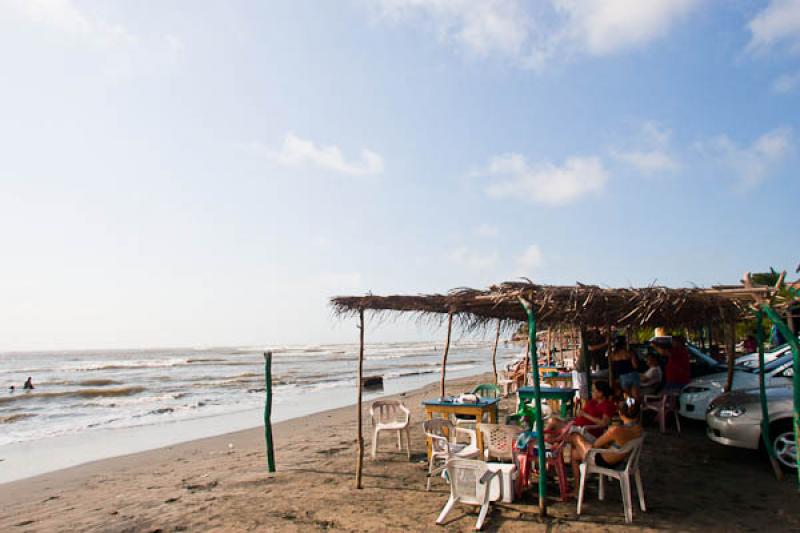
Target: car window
x=777 y=363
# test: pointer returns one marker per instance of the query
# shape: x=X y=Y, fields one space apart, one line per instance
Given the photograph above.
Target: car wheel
x=784 y=444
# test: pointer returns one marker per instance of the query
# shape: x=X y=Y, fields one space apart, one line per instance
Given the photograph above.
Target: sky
x=202 y=173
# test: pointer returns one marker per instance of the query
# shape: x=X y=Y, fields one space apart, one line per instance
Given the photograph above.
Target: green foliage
x=766 y=278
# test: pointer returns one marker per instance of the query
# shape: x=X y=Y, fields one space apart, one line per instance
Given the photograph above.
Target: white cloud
x=545 y=183
x=531 y=34
x=650 y=152
x=298 y=152
x=786 y=83
x=486 y=230
x=481 y=27
x=778 y=22
x=466 y=258
x=750 y=164
x=66 y=18
x=603 y=27
x=530 y=260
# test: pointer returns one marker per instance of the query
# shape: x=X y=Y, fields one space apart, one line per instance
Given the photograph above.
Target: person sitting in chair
x=615 y=437
x=651 y=378
x=596 y=412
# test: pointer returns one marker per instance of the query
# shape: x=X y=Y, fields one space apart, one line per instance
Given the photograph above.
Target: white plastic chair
x=498 y=441
x=471 y=483
x=622 y=472
x=444 y=447
x=390 y=415
x=662 y=404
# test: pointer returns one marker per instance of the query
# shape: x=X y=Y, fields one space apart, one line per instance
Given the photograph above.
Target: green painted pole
x=268 y=411
x=762 y=393
x=792 y=340
x=537 y=399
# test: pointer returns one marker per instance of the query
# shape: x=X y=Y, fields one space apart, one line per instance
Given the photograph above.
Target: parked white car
x=751 y=360
x=699 y=393
x=734 y=419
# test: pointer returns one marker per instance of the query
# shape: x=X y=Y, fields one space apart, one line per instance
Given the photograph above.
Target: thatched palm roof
x=583 y=305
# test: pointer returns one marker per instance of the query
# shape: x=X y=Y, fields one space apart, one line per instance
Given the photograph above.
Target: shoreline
x=691 y=484
x=22 y=460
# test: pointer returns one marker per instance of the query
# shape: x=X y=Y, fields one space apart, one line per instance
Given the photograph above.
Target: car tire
x=783 y=442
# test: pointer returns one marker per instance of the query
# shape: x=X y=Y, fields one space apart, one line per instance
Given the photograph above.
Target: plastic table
x=449 y=407
x=565 y=396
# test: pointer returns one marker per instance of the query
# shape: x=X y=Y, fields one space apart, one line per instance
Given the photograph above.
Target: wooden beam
x=730 y=348
x=360 y=381
x=444 y=355
x=494 y=352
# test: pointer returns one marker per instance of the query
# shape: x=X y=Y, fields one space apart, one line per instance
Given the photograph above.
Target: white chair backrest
x=499 y=439
x=466 y=480
x=634 y=449
x=389 y=411
x=441 y=432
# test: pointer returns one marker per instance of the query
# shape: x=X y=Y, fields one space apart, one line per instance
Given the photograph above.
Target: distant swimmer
x=11 y=388
x=28 y=384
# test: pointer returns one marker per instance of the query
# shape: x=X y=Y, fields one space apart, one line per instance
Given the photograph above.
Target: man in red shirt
x=678 y=371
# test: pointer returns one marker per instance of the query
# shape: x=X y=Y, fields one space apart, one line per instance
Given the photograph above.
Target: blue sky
x=204 y=173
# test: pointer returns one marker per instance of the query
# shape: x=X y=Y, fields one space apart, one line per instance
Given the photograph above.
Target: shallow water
x=80 y=391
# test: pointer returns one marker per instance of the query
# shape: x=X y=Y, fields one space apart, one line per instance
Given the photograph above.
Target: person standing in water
x=28 y=384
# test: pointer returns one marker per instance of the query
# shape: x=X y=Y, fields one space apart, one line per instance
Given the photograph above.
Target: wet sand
x=220 y=483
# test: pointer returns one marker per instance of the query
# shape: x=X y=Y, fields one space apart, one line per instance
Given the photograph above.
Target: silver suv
x=734 y=419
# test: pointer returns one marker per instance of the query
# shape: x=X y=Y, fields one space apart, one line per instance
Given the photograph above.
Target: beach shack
x=580 y=306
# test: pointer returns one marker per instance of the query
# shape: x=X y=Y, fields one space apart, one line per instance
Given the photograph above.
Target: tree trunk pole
x=795 y=344
x=360 y=383
x=268 y=411
x=762 y=394
x=538 y=405
x=586 y=361
x=610 y=353
x=444 y=355
x=494 y=352
x=730 y=347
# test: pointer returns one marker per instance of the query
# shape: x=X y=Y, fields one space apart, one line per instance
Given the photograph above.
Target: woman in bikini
x=614 y=438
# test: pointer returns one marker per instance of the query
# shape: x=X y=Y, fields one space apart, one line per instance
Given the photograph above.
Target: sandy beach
x=221 y=484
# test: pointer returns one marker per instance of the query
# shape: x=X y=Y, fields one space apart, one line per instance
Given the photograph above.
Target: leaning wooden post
x=494 y=352
x=268 y=411
x=610 y=353
x=586 y=361
x=730 y=347
x=538 y=406
x=444 y=355
x=795 y=344
x=762 y=394
x=360 y=384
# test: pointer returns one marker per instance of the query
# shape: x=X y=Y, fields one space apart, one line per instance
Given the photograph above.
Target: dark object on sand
x=372 y=382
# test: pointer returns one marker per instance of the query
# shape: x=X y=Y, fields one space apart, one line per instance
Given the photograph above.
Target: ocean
x=89 y=396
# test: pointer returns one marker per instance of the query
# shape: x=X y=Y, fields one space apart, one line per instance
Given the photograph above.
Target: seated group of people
x=594 y=427
x=625 y=366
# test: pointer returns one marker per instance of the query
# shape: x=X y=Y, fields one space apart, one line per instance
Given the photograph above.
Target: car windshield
x=701 y=356
x=772 y=365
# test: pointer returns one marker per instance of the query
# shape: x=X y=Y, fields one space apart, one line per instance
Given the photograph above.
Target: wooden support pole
x=537 y=399
x=795 y=344
x=268 y=412
x=762 y=394
x=730 y=348
x=587 y=362
x=444 y=355
x=360 y=382
x=494 y=351
x=610 y=353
